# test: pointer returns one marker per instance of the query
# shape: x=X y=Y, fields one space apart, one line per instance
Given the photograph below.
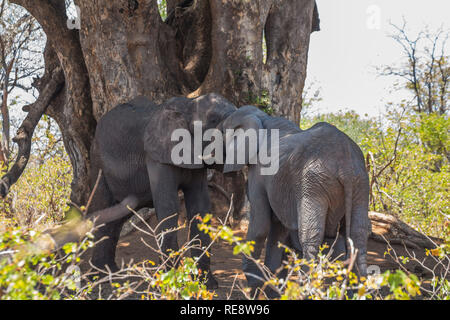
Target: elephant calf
x=321 y=188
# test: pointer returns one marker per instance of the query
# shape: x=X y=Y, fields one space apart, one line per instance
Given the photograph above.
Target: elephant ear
x=237 y=143
x=158 y=136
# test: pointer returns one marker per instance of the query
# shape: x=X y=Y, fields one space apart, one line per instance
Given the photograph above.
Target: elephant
x=132 y=148
x=320 y=190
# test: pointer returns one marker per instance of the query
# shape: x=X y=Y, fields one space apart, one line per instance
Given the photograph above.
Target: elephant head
x=244 y=138
x=179 y=116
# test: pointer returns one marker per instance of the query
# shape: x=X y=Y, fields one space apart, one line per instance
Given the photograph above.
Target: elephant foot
x=269 y=293
x=211 y=282
x=272 y=294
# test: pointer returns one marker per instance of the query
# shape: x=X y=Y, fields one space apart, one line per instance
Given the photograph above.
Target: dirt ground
x=224 y=265
x=227 y=267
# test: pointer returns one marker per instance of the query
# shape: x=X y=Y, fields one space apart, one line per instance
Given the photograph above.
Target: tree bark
x=236 y=41
x=5 y=125
x=121 y=47
x=74 y=112
x=191 y=22
x=124 y=49
x=287 y=30
x=50 y=88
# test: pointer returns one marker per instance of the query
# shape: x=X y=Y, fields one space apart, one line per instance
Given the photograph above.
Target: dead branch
x=389 y=228
x=25 y=131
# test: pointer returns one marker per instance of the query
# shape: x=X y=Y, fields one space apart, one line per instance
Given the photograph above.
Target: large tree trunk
x=124 y=49
x=73 y=111
x=121 y=47
x=288 y=29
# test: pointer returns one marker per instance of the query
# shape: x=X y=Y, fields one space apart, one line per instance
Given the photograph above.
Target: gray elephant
x=132 y=147
x=321 y=188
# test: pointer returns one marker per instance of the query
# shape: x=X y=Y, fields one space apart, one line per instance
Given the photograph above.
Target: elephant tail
x=346 y=175
x=348 y=202
x=76 y=229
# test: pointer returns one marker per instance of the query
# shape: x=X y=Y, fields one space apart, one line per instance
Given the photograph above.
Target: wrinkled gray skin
x=321 y=180
x=132 y=147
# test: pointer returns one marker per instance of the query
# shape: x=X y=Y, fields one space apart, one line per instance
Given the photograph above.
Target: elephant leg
x=274 y=253
x=164 y=186
x=258 y=230
x=294 y=243
x=359 y=233
x=107 y=236
x=104 y=253
x=312 y=213
x=360 y=225
x=338 y=247
x=197 y=202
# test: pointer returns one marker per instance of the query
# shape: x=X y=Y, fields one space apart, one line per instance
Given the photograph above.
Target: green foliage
x=182 y=282
x=162 y=7
x=226 y=233
x=331 y=280
x=356 y=127
x=41 y=194
x=47 y=141
x=443 y=286
x=26 y=273
x=262 y=101
x=401 y=285
x=25 y=276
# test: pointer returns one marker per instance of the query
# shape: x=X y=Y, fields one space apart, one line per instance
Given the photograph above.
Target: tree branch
x=25 y=131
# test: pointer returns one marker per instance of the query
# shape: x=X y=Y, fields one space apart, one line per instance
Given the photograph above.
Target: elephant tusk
x=207 y=157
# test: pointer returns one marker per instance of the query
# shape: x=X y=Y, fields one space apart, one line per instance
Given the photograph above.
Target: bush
x=41 y=195
x=40 y=276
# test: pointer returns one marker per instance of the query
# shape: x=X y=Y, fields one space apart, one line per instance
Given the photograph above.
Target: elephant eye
x=214 y=122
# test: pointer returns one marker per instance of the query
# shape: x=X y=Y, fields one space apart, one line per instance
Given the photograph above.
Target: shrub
x=41 y=195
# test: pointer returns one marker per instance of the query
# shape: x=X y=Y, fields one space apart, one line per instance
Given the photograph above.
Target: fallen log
x=387 y=228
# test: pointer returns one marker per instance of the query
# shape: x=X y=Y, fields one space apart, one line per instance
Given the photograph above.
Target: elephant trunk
x=76 y=229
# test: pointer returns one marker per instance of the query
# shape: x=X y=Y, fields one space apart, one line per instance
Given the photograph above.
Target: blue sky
x=344 y=54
